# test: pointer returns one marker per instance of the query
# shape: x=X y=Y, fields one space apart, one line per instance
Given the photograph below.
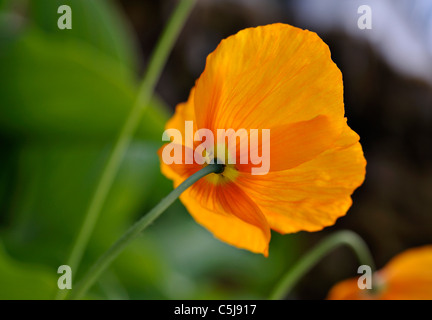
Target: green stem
x=349 y=238
x=146 y=88
x=106 y=259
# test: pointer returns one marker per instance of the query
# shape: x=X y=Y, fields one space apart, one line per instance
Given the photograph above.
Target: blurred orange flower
x=281 y=78
x=408 y=276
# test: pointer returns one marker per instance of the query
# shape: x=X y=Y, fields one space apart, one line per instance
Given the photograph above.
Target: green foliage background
x=64 y=94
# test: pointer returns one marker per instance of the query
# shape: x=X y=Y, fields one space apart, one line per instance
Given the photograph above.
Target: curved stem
x=106 y=259
x=349 y=238
x=127 y=132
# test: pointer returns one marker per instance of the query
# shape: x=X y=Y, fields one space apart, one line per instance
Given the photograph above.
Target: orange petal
x=183 y=112
x=294 y=144
x=268 y=76
x=182 y=169
x=314 y=194
x=407 y=276
x=348 y=290
x=229 y=214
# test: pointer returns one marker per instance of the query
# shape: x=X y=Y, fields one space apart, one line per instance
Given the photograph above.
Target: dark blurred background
x=387 y=74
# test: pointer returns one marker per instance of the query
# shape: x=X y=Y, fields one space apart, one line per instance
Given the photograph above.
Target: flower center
x=229 y=172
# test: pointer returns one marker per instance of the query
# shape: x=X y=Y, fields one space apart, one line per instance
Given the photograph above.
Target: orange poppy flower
x=281 y=78
x=408 y=276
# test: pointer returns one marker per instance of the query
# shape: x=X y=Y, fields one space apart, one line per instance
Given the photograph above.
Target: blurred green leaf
x=54 y=185
x=67 y=93
x=99 y=23
x=64 y=95
x=25 y=281
x=67 y=89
